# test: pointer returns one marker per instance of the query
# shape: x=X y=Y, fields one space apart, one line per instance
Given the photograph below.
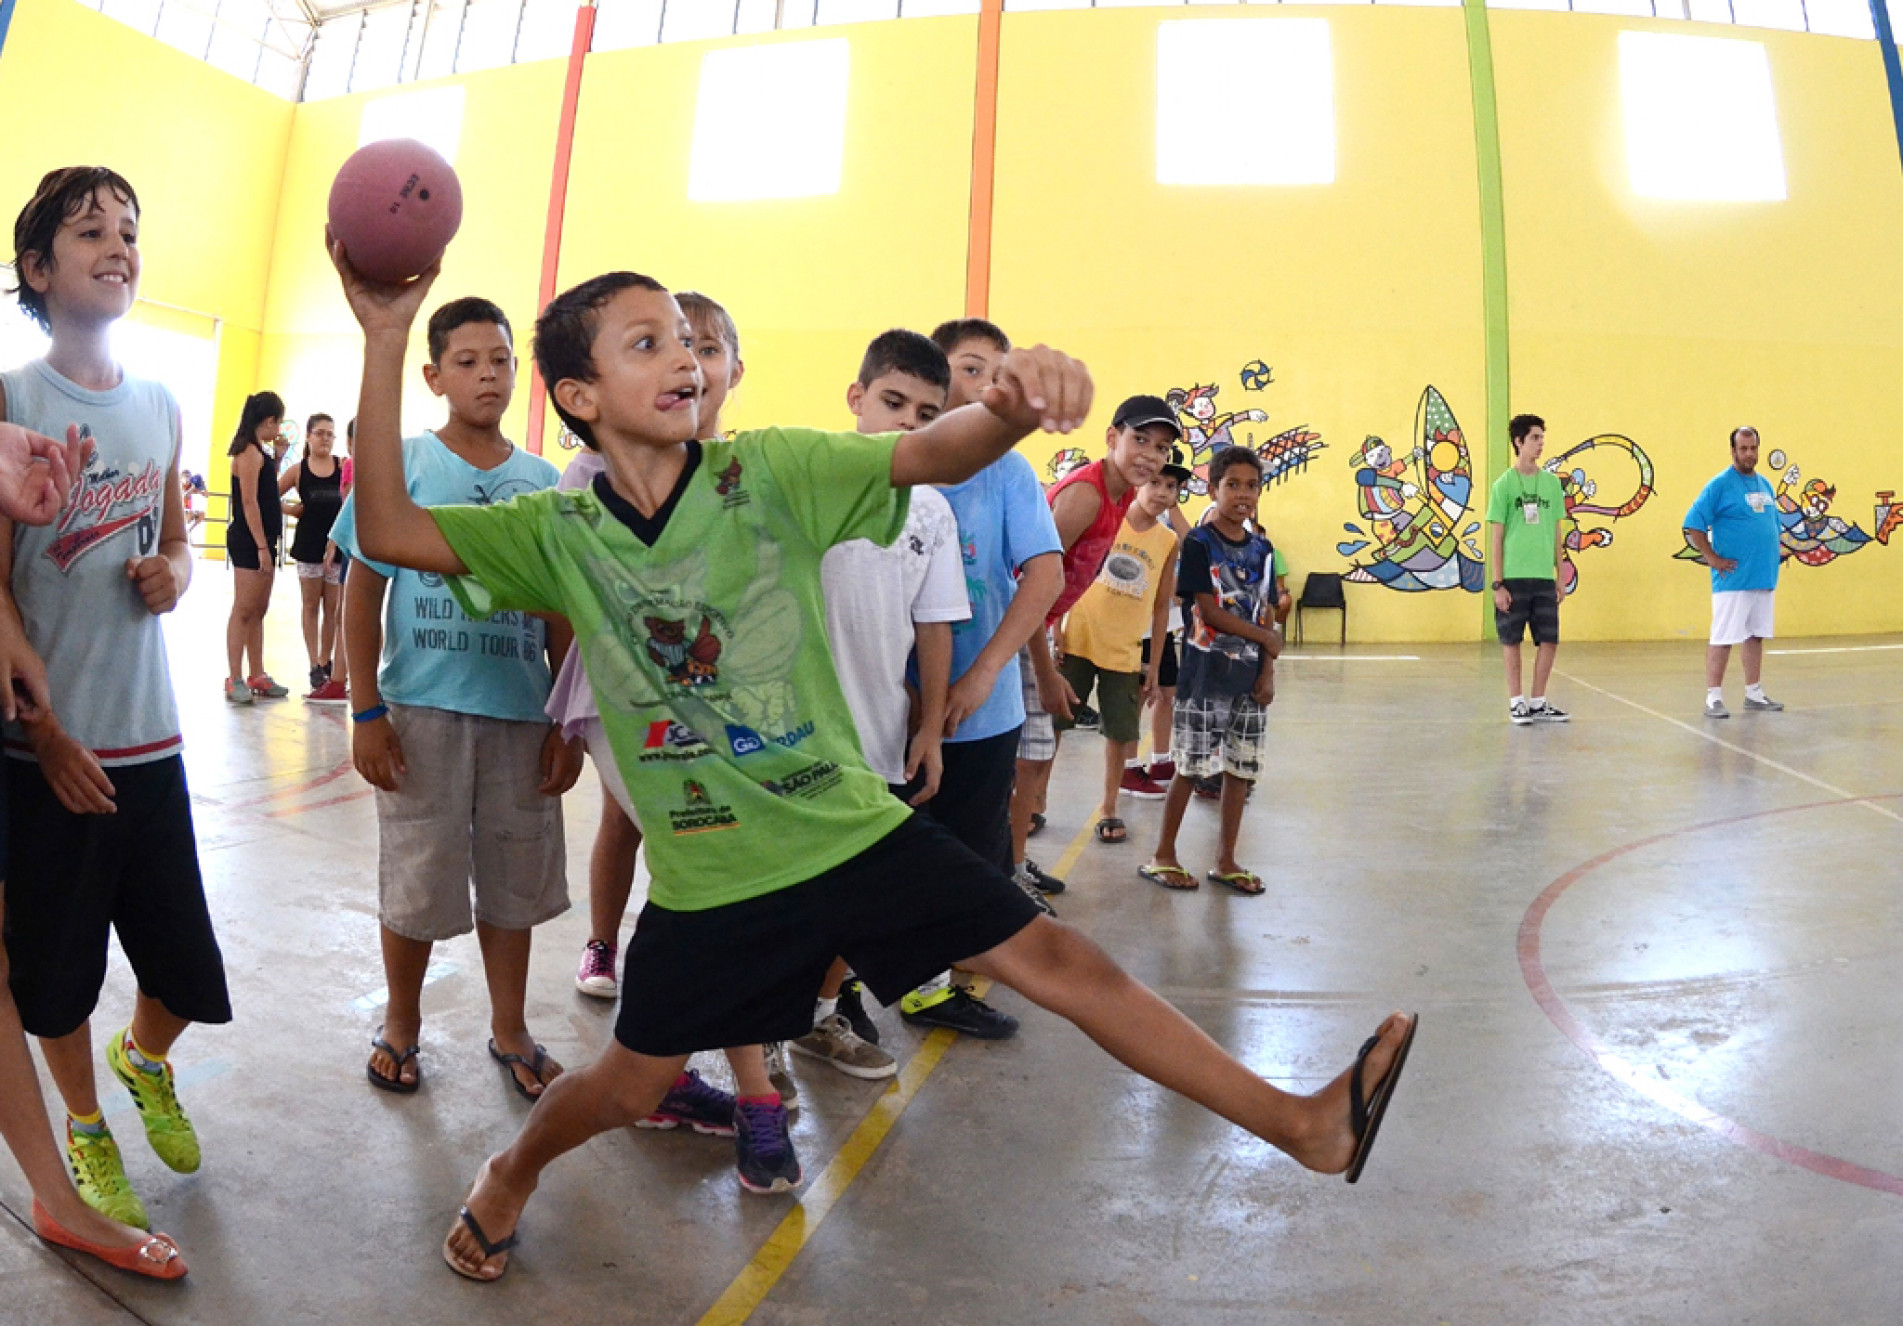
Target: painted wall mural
x=1207 y=429
x=1589 y=474
x=1419 y=536
x=1808 y=533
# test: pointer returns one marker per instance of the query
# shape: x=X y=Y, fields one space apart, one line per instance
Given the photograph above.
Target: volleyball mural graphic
x=1418 y=534
x=1207 y=429
x=1590 y=474
x=1807 y=533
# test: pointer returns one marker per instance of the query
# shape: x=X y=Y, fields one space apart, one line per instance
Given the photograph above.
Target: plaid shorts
x=1038 y=740
x=1219 y=734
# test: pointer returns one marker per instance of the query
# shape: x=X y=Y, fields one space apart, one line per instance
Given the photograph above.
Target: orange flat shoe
x=157 y=1257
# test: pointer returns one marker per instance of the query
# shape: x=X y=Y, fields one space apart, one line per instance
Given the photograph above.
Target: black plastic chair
x=1322 y=589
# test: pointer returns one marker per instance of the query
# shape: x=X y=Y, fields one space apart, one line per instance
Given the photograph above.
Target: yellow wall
x=204 y=150
x=808 y=280
x=1358 y=294
x=1674 y=322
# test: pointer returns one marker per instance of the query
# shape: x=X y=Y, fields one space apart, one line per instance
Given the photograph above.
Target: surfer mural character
x=1418 y=536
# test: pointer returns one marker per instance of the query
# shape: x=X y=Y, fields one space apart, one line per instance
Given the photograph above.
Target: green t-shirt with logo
x=704 y=638
x=1529 y=548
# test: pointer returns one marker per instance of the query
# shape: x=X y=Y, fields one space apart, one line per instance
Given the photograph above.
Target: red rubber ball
x=395 y=205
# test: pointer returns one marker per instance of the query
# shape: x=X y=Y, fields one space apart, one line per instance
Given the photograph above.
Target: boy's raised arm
x=391 y=527
x=1035 y=388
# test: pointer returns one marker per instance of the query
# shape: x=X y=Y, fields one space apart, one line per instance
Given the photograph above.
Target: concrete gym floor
x=1657 y=1078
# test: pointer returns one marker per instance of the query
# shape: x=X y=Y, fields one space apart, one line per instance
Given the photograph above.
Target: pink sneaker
x=597 y=973
x=1137 y=783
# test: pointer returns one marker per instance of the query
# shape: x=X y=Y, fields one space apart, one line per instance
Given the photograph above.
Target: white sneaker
x=1520 y=712
x=780 y=1076
x=834 y=1041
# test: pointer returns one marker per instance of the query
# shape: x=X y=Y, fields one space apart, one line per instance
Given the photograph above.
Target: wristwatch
x=1499 y=584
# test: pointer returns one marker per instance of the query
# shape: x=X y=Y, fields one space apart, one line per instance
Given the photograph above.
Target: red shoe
x=157 y=1258
x=1137 y=783
x=331 y=692
x=1161 y=771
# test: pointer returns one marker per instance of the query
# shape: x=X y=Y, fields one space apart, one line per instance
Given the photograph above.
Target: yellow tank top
x=1107 y=624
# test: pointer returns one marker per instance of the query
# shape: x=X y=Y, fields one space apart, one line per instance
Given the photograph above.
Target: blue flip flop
x=482 y=1241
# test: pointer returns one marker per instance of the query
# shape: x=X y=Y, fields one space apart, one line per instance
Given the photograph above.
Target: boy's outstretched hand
x=1041 y=388
x=380 y=306
x=37 y=473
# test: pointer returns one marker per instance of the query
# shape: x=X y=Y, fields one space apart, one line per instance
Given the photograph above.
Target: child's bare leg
x=611 y=873
x=1027 y=799
x=835 y=977
x=69 y=1059
x=613 y=1092
x=311 y=594
x=1160 y=711
x=1173 y=807
x=333 y=604
x=405 y=965
x=505 y=966
x=1235 y=794
x=29 y=1136
x=1116 y=757
x=749 y=1071
x=154 y=1026
x=1059 y=969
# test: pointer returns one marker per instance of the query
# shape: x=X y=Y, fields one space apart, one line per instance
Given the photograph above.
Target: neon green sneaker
x=100 y=1176
x=166 y=1127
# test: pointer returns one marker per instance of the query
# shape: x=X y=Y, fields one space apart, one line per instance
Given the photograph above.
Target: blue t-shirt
x=1739 y=512
x=434 y=654
x=1241 y=578
x=1003 y=522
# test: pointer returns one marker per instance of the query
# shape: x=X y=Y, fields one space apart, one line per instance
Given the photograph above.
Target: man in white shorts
x=1734 y=527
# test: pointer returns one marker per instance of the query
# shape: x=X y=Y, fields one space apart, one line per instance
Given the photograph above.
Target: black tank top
x=323 y=498
x=270 y=513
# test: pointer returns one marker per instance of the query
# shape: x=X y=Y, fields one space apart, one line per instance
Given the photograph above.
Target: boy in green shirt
x=1524 y=517
x=690 y=571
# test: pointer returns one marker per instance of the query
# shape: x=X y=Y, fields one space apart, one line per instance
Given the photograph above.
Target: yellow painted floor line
x=750 y=1288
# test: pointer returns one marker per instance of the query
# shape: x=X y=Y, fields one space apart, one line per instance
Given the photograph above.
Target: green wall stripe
x=1493 y=256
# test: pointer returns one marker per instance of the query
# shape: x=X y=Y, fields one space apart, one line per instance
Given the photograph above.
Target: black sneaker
x=852 y=1007
x=964 y=1013
x=1087 y=718
x=1548 y=713
x=1210 y=788
x=1033 y=874
x=763 y=1148
x=318 y=677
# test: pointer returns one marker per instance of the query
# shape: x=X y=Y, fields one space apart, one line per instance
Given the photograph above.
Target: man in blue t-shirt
x=1734 y=528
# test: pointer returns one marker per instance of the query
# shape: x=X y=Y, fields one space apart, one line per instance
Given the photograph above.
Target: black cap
x=1175 y=468
x=1142 y=411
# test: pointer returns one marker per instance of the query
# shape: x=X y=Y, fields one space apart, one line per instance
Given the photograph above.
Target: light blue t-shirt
x=1739 y=512
x=1003 y=522
x=434 y=654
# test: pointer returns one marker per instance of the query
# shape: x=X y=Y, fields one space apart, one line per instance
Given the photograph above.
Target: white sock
x=1714 y=695
x=1518 y=699
x=942 y=981
x=1755 y=691
x=1537 y=701
x=823 y=1009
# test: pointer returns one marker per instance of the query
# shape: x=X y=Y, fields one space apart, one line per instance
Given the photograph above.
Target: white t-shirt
x=873 y=596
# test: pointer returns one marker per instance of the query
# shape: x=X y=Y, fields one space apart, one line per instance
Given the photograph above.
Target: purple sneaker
x=597 y=973
x=764 y=1148
x=706 y=1109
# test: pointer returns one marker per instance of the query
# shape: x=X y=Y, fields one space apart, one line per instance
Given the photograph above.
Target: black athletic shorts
x=902 y=911
x=974 y=795
x=73 y=879
x=1535 y=603
x=1166 y=670
x=244 y=555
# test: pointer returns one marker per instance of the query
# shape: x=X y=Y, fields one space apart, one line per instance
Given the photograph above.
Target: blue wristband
x=371 y=714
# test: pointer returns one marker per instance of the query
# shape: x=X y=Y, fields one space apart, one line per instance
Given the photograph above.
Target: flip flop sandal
x=1110 y=825
x=1037 y=824
x=1162 y=875
x=396 y=1084
x=1365 y=1116
x=510 y=1061
x=1245 y=882
x=482 y=1241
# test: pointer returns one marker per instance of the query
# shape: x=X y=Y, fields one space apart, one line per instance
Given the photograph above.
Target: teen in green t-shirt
x=1525 y=513
x=690 y=572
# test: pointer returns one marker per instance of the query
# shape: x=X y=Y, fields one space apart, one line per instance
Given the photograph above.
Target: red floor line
x=285 y=793
x=1533 y=969
x=288 y=811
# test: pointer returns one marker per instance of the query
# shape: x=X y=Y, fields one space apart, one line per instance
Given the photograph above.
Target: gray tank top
x=104 y=653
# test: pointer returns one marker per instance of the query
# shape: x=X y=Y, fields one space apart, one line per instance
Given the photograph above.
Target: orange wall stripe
x=984 y=161
x=558 y=205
